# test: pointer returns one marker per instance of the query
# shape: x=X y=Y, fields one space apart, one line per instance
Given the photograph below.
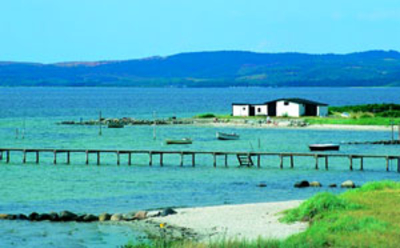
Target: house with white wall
x=291 y=107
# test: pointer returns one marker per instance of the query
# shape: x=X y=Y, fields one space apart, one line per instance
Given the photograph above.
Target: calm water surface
x=108 y=188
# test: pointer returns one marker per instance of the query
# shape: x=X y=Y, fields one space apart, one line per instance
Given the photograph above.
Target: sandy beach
x=245 y=221
x=285 y=125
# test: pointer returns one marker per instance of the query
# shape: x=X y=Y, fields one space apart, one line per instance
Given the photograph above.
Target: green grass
x=364 y=217
x=379 y=121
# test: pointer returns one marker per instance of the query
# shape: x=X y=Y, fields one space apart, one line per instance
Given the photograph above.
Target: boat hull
x=227 y=136
x=179 y=142
x=324 y=147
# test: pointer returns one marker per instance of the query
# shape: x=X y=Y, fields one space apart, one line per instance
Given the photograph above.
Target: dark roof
x=298 y=100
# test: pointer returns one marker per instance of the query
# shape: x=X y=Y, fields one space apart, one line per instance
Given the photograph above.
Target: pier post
x=8 y=155
x=161 y=159
x=398 y=161
x=291 y=162
x=68 y=157
x=193 y=159
x=118 y=158
x=24 y=158
x=37 y=157
x=226 y=160
x=316 y=162
x=55 y=157
x=87 y=157
x=326 y=162
x=215 y=160
x=1 y=155
x=351 y=162
x=387 y=163
x=181 y=164
x=98 y=158
x=129 y=158
x=361 y=163
x=281 y=162
x=259 y=161
x=150 y=158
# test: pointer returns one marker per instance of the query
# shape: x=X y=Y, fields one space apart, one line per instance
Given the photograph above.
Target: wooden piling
x=161 y=159
x=98 y=158
x=193 y=160
x=8 y=156
x=351 y=162
x=291 y=162
x=55 y=157
x=181 y=164
x=37 y=157
x=1 y=155
x=281 y=161
x=316 y=162
x=361 y=163
x=326 y=162
x=215 y=160
x=258 y=161
x=87 y=157
x=398 y=162
x=118 y=158
x=387 y=163
x=150 y=158
x=226 y=160
x=24 y=157
x=68 y=157
x=129 y=158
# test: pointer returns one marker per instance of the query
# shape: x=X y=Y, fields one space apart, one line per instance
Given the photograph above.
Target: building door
x=311 y=110
x=252 y=111
x=272 y=109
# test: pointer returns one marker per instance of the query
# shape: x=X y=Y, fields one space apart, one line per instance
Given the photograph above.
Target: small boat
x=184 y=141
x=227 y=136
x=324 y=147
x=115 y=125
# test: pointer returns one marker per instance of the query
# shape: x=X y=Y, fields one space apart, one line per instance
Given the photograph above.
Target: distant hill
x=215 y=69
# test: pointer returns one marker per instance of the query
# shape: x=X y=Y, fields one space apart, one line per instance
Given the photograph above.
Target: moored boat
x=184 y=141
x=227 y=136
x=115 y=125
x=324 y=147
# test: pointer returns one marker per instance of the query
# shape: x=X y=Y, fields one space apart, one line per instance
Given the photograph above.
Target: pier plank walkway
x=5 y=154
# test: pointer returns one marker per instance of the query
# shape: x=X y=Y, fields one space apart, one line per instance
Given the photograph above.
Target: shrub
x=206 y=115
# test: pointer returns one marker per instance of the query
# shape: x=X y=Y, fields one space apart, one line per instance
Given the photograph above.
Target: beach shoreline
x=242 y=221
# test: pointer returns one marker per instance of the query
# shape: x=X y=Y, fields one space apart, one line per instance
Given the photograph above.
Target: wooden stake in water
x=23 y=130
x=100 y=131
x=16 y=133
x=154 y=126
x=392 y=124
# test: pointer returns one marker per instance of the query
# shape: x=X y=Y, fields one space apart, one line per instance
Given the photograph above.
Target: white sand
x=246 y=221
x=313 y=126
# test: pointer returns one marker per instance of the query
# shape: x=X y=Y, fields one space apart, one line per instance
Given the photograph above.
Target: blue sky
x=70 y=30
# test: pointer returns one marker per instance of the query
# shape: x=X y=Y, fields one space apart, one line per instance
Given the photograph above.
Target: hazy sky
x=68 y=30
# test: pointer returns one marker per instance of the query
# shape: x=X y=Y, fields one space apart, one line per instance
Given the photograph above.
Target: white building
x=291 y=107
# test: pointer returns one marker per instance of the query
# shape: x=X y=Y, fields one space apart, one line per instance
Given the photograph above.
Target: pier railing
x=5 y=155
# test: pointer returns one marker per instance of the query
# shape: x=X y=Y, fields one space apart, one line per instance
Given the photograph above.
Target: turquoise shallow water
x=29 y=187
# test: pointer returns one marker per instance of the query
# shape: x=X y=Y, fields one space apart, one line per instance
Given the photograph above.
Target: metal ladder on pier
x=245 y=160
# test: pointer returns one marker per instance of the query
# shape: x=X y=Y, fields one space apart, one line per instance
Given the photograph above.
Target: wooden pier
x=5 y=155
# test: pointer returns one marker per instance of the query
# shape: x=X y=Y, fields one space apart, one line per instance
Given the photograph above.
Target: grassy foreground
x=365 y=217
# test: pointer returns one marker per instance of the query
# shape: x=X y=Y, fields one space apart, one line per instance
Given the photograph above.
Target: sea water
x=25 y=188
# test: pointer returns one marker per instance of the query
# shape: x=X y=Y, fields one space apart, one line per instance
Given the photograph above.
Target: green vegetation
x=205 y=116
x=365 y=217
x=379 y=121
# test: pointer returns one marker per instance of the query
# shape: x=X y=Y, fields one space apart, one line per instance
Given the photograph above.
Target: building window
x=286 y=103
x=259 y=110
